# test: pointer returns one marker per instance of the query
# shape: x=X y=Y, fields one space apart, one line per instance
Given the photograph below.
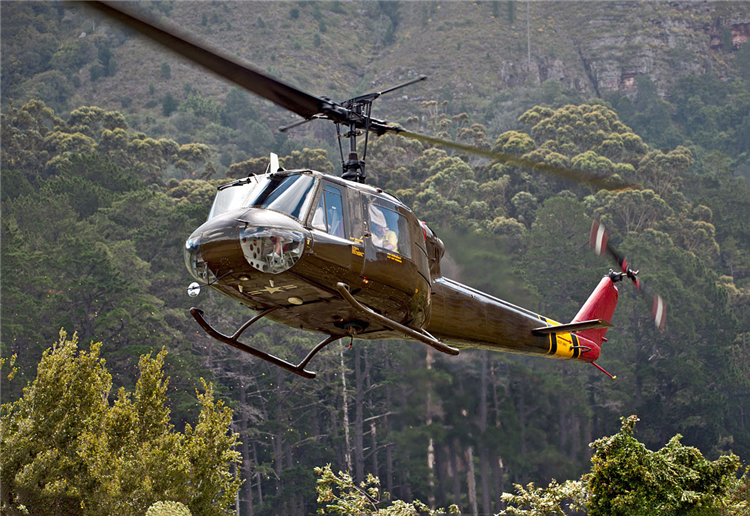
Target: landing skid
x=299 y=369
x=233 y=340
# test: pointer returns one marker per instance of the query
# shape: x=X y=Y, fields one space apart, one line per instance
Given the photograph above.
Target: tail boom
x=468 y=318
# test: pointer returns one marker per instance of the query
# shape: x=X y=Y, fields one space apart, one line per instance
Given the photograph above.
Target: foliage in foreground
x=544 y=501
x=168 y=509
x=66 y=450
x=342 y=495
x=628 y=479
x=625 y=479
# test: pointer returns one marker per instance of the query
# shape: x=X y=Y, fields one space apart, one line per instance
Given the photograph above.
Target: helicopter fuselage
x=286 y=241
x=293 y=251
x=339 y=257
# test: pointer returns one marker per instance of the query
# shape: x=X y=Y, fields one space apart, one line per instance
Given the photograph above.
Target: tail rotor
x=599 y=242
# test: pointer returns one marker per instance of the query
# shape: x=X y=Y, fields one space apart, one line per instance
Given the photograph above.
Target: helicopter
x=337 y=256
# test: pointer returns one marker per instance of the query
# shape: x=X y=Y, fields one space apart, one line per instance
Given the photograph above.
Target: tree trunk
x=471 y=481
x=575 y=437
x=315 y=420
x=640 y=363
x=389 y=449
x=359 y=402
x=562 y=423
x=236 y=473
x=440 y=467
x=522 y=423
x=483 y=453
x=373 y=426
x=340 y=451
x=389 y=469
x=345 y=403
x=587 y=439
x=374 y=445
x=258 y=477
x=431 y=444
x=456 y=477
x=278 y=457
x=289 y=456
x=499 y=477
x=484 y=465
x=406 y=484
x=498 y=471
x=406 y=494
x=247 y=488
x=278 y=439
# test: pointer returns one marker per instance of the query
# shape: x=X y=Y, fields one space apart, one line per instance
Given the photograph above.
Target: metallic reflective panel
x=271 y=250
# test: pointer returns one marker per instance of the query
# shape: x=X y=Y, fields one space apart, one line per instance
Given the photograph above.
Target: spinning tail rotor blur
x=599 y=242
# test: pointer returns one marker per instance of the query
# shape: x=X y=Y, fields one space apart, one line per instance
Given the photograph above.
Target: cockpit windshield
x=233 y=196
x=284 y=193
x=280 y=192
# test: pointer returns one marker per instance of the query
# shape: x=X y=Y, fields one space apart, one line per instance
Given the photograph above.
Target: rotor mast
x=359 y=111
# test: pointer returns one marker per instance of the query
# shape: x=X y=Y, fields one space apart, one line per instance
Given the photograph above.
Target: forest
x=97 y=201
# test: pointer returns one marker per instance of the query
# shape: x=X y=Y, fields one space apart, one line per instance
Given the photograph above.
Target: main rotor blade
x=221 y=63
x=305 y=104
x=605 y=183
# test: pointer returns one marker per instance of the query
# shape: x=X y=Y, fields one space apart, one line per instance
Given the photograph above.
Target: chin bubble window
x=389 y=230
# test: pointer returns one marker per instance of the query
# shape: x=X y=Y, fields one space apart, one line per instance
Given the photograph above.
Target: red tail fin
x=600 y=305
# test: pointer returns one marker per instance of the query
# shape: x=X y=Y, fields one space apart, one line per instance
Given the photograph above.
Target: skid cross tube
x=420 y=335
x=299 y=369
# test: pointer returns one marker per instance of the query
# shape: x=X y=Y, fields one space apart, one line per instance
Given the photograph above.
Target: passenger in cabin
x=335 y=225
x=382 y=235
x=335 y=221
x=319 y=220
x=330 y=220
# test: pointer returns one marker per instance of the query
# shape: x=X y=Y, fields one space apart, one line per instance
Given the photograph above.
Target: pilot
x=382 y=236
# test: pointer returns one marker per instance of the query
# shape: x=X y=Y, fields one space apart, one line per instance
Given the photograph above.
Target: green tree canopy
x=628 y=479
x=66 y=450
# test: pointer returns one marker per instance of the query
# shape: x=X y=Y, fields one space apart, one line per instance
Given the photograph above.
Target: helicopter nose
x=194 y=261
x=269 y=242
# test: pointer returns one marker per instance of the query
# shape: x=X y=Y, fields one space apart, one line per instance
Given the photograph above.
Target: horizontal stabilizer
x=594 y=324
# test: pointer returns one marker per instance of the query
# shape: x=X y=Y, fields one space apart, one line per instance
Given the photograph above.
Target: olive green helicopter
x=337 y=256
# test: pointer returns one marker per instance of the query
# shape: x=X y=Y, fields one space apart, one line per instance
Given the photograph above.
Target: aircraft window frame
x=330 y=215
x=393 y=219
x=289 y=195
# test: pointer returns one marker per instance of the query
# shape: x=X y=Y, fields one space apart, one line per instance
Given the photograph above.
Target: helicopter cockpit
x=270 y=241
x=265 y=221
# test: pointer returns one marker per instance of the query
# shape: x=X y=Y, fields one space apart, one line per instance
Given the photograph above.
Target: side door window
x=389 y=230
x=329 y=214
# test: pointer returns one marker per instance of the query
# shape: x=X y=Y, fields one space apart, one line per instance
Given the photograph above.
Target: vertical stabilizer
x=600 y=305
